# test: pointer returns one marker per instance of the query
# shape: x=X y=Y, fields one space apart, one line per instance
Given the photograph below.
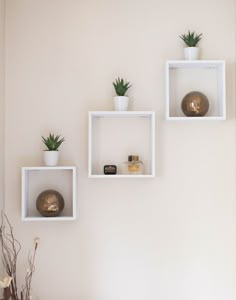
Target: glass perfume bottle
x=134 y=165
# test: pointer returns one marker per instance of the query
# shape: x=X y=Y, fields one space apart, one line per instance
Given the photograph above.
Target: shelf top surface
x=46 y=219
x=122 y=176
x=197 y=118
x=44 y=168
x=122 y=113
x=195 y=63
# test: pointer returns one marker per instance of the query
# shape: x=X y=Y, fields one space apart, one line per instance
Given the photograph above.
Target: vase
x=51 y=158
x=121 y=103
x=195 y=104
x=191 y=53
x=50 y=203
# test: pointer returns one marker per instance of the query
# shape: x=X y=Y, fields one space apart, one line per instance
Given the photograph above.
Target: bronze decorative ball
x=195 y=104
x=50 y=203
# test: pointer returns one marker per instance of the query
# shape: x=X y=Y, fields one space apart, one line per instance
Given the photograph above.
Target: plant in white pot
x=51 y=155
x=121 y=101
x=191 y=39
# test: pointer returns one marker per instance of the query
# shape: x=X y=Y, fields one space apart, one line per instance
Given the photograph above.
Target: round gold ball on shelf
x=50 y=203
x=195 y=104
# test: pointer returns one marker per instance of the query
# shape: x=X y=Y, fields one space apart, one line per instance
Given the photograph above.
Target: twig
x=10 y=248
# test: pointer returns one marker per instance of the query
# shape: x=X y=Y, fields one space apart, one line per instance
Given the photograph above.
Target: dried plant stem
x=29 y=274
x=10 y=248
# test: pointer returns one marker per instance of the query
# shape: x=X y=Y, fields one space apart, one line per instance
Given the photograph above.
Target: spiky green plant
x=191 y=39
x=53 y=142
x=121 y=87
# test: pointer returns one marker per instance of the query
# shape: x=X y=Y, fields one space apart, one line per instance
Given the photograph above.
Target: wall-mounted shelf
x=113 y=135
x=206 y=76
x=37 y=179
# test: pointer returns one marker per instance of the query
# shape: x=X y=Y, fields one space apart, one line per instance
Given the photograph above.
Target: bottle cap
x=130 y=157
x=133 y=158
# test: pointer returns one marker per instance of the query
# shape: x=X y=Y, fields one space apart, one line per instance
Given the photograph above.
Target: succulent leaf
x=191 y=39
x=53 y=142
x=121 y=87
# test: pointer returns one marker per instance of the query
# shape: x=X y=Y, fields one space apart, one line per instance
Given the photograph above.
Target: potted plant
x=191 y=39
x=51 y=155
x=121 y=101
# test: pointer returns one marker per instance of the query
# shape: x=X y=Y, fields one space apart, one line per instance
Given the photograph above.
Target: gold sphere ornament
x=195 y=104
x=50 y=203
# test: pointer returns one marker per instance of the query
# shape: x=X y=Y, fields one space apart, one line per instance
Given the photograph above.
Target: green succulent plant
x=53 y=142
x=121 y=87
x=191 y=39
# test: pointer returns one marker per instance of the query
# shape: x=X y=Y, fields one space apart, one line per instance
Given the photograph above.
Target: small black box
x=110 y=169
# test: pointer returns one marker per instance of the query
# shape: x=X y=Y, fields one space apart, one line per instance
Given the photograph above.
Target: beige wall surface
x=171 y=237
x=2 y=81
x=2 y=42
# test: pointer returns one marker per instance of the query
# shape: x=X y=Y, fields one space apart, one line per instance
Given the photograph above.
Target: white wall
x=2 y=29
x=173 y=237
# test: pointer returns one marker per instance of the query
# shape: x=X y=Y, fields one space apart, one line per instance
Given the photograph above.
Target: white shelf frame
x=121 y=114
x=25 y=190
x=219 y=65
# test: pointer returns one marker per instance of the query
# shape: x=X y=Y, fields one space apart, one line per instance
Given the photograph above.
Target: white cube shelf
x=206 y=76
x=113 y=135
x=37 y=179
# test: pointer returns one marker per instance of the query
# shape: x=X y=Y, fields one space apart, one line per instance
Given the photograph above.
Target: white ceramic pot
x=191 y=53
x=51 y=158
x=121 y=103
